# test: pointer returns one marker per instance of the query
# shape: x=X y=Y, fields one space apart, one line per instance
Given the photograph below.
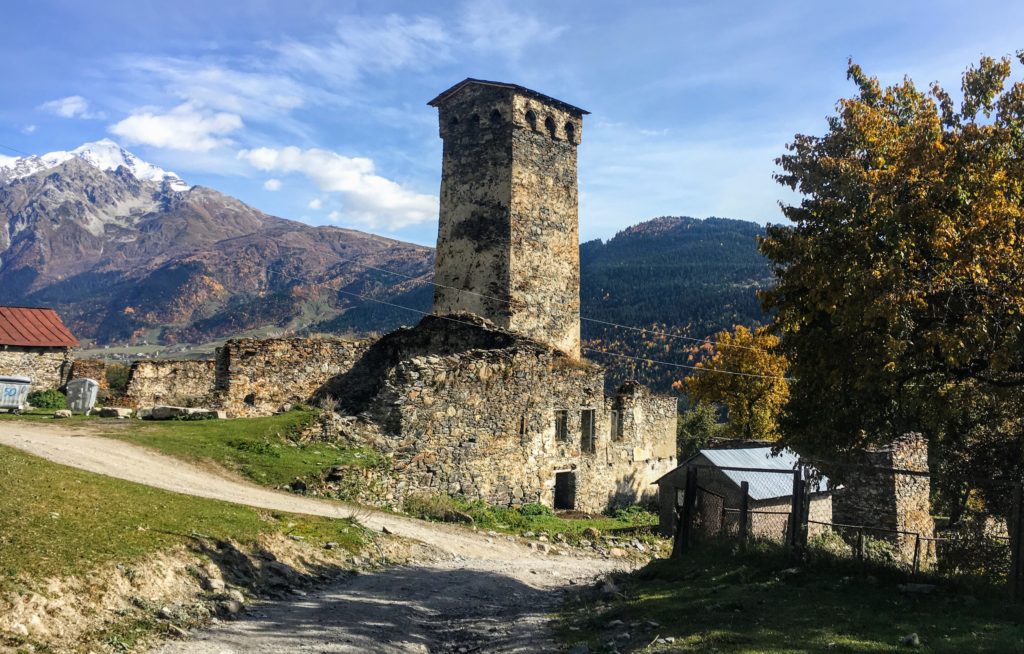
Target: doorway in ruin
x=565 y=491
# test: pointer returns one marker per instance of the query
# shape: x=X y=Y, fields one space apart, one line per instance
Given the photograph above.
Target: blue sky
x=317 y=111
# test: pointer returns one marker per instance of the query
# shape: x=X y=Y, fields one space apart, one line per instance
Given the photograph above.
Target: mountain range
x=128 y=252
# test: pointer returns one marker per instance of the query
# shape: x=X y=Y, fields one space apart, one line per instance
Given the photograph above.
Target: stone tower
x=508 y=239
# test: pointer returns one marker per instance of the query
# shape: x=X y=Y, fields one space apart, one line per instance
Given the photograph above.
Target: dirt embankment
x=463 y=592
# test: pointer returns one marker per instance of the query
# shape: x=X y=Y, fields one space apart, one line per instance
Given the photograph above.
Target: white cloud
x=73 y=106
x=334 y=217
x=316 y=203
x=272 y=184
x=495 y=26
x=186 y=127
x=28 y=129
x=369 y=199
x=360 y=45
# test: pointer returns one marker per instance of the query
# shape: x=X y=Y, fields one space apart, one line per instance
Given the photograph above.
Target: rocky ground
x=464 y=592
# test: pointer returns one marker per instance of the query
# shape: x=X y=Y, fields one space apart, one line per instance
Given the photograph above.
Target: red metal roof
x=34 y=327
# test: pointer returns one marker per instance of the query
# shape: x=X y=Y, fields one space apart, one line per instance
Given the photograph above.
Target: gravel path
x=477 y=594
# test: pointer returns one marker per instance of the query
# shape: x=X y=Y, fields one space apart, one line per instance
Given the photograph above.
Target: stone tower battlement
x=508 y=238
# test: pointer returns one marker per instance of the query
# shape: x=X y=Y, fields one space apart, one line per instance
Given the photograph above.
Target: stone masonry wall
x=482 y=424
x=94 y=369
x=49 y=368
x=178 y=383
x=508 y=239
x=257 y=376
x=889 y=488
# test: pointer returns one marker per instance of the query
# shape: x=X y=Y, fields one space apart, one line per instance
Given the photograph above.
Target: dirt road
x=479 y=594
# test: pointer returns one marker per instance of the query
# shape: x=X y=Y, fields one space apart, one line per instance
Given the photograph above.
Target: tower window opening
x=496 y=118
x=617 y=427
x=453 y=121
x=549 y=124
x=570 y=132
x=531 y=119
x=474 y=120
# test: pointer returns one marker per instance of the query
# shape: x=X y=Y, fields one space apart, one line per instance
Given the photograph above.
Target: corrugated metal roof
x=763 y=485
x=34 y=327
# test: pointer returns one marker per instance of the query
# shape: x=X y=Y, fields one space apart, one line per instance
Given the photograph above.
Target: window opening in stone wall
x=549 y=124
x=531 y=120
x=570 y=132
x=453 y=121
x=617 y=425
x=587 y=431
x=561 y=425
x=522 y=425
x=565 y=491
x=496 y=119
x=474 y=121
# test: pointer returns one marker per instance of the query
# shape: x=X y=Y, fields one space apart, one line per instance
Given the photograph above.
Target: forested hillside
x=676 y=275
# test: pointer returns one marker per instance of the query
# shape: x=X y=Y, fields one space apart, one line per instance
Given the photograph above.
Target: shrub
x=634 y=513
x=51 y=399
x=117 y=378
x=534 y=509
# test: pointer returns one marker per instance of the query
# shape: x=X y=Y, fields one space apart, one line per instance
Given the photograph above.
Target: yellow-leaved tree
x=747 y=376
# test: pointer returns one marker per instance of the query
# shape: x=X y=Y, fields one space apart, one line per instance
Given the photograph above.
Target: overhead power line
x=463 y=322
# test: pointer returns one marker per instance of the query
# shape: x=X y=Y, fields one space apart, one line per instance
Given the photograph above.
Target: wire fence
x=805 y=512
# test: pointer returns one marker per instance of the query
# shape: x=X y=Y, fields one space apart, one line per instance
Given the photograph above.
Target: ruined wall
x=94 y=369
x=257 y=376
x=508 y=238
x=482 y=424
x=49 y=368
x=889 y=488
x=177 y=383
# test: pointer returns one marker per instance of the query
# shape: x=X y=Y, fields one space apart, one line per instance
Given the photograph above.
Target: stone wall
x=178 y=383
x=508 y=238
x=889 y=488
x=94 y=369
x=481 y=421
x=49 y=368
x=257 y=376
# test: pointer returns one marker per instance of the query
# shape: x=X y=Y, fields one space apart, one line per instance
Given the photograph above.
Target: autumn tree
x=746 y=375
x=900 y=282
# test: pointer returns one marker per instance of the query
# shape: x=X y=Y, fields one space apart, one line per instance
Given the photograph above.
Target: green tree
x=746 y=375
x=899 y=291
x=696 y=428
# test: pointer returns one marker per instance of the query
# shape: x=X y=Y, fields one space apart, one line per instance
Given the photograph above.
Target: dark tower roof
x=515 y=87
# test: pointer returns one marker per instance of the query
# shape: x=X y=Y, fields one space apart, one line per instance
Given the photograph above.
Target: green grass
x=41 y=415
x=716 y=601
x=58 y=521
x=529 y=518
x=261 y=449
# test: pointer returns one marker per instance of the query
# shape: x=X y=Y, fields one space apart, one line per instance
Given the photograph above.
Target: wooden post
x=860 y=544
x=744 y=514
x=795 y=511
x=917 y=553
x=1017 y=544
x=682 y=540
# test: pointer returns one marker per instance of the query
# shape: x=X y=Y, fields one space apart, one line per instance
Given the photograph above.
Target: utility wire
x=583 y=318
x=463 y=322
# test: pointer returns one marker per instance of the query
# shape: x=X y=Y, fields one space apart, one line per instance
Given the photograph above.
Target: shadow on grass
x=766 y=601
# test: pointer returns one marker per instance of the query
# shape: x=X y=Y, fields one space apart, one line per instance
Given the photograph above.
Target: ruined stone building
x=488 y=397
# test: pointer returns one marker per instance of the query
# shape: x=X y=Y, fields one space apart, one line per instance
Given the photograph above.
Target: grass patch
x=261 y=449
x=40 y=415
x=718 y=601
x=59 y=521
x=534 y=518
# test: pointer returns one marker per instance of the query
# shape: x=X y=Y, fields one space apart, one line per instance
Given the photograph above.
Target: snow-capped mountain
x=103 y=154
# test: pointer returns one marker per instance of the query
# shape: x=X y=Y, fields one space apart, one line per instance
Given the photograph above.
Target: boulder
x=62 y=413
x=185 y=413
x=115 y=412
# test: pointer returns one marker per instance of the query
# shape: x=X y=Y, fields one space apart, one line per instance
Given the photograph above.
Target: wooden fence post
x=1016 y=524
x=796 y=511
x=917 y=554
x=682 y=540
x=744 y=514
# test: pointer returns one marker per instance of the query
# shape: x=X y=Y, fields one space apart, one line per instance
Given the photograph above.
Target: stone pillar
x=889 y=488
